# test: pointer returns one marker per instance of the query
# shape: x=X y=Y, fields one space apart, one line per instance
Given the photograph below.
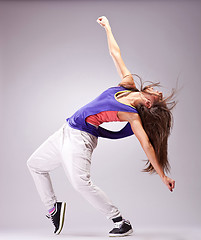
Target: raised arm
x=114 y=50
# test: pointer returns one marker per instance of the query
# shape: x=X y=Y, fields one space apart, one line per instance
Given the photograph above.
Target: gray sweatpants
x=72 y=149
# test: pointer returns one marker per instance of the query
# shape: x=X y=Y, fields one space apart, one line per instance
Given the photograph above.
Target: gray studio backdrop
x=54 y=59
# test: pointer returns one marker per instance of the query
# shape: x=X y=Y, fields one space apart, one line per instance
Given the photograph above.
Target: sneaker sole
x=121 y=235
x=62 y=215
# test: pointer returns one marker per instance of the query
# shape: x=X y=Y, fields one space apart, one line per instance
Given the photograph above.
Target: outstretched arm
x=141 y=135
x=138 y=130
x=114 y=50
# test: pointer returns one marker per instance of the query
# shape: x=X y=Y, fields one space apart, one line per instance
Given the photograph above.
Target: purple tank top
x=104 y=102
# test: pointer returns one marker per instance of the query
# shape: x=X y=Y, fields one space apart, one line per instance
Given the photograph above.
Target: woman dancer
x=148 y=116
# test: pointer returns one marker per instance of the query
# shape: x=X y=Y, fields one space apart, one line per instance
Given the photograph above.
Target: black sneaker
x=121 y=229
x=57 y=216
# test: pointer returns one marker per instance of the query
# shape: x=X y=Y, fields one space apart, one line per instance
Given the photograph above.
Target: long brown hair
x=157 y=123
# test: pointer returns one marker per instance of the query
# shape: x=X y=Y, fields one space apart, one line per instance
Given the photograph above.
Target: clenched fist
x=103 y=21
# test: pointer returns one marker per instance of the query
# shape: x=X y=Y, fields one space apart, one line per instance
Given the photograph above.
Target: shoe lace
x=51 y=218
x=119 y=224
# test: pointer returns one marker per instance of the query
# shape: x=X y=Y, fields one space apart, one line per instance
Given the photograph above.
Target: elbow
x=147 y=146
x=115 y=52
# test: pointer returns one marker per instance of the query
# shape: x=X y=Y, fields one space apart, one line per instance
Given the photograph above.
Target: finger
x=100 y=21
x=170 y=186
x=100 y=18
x=173 y=184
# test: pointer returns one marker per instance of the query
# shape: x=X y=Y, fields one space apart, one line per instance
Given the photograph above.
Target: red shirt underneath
x=106 y=116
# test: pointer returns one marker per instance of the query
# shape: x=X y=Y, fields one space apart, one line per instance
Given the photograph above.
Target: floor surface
x=182 y=234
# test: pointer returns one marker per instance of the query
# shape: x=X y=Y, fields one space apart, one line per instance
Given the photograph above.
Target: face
x=152 y=96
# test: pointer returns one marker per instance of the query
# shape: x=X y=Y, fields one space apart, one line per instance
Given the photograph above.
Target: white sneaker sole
x=121 y=235
x=62 y=215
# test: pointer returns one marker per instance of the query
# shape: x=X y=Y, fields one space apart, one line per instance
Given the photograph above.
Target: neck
x=135 y=98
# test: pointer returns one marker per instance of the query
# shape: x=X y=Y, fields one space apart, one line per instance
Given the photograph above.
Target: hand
x=169 y=182
x=103 y=21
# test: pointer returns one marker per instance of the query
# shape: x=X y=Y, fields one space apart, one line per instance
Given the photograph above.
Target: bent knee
x=30 y=163
x=81 y=184
x=34 y=163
